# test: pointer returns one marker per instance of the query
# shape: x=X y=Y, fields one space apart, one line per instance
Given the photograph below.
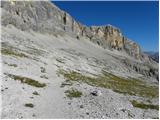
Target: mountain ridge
x=47 y=17
x=153 y=55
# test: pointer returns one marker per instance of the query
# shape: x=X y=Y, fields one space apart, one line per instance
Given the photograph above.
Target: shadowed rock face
x=44 y=16
x=153 y=55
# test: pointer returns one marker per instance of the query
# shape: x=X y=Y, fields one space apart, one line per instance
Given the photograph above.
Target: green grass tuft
x=26 y=80
x=35 y=93
x=60 y=60
x=144 y=106
x=12 y=65
x=29 y=105
x=73 y=93
x=10 y=52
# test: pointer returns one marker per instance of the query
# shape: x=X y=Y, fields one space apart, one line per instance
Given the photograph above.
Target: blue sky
x=138 y=21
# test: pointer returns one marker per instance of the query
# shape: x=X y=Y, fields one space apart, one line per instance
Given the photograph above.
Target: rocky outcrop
x=153 y=55
x=44 y=16
x=143 y=68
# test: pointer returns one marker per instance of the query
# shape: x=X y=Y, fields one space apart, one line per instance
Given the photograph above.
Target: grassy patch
x=130 y=86
x=73 y=93
x=26 y=80
x=10 y=52
x=12 y=65
x=144 y=106
x=29 y=105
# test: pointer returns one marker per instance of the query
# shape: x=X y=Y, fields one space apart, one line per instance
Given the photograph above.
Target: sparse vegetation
x=35 y=51
x=35 y=93
x=12 y=65
x=26 y=80
x=66 y=83
x=73 y=93
x=44 y=76
x=130 y=86
x=43 y=70
x=144 y=106
x=10 y=52
x=60 y=60
x=29 y=105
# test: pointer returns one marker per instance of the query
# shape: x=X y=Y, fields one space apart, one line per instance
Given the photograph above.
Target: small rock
x=96 y=93
x=106 y=114
x=6 y=88
x=123 y=110
x=81 y=106
x=69 y=103
x=87 y=113
x=33 y=115
x=35 y=93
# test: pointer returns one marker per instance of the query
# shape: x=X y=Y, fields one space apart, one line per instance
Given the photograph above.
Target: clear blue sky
x=137 y=20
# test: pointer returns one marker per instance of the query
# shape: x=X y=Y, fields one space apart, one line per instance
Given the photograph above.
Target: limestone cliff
x=44 y=16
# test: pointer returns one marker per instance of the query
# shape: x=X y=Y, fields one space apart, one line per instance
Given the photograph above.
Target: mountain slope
x=39 y=17
x=52 y=67
x=153 y=55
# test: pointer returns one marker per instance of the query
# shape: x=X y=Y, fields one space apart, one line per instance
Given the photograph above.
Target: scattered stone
x=43 y=70
x=87 y=113
x=29 y=105
x=123 y=110
x=117 y=114
x=96 y=93
x=33 y=115
x=81 y=106
x=44 y=76
x=35 y=93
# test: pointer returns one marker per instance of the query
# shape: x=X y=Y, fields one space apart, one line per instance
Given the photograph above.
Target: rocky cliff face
x=46 y=17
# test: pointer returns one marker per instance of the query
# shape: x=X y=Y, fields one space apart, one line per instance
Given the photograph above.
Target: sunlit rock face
x=46 y=17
